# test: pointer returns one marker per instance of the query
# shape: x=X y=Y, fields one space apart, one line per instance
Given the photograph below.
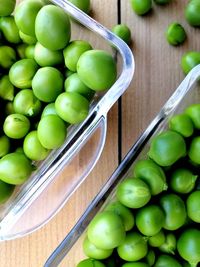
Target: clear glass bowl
x=49 y=187
x=69 y=252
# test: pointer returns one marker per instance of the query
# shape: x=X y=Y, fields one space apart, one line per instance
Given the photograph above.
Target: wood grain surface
x=158 y=71
x=157 y=75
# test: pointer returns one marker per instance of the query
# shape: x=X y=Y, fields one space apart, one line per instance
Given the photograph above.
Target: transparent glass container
x=70 y=252
x=34 y=203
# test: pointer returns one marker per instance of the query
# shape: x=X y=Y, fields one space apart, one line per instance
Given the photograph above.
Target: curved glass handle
x=55 y=191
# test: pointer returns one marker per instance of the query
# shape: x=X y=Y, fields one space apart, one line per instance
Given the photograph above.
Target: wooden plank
x=34 y=249
x=158 y=71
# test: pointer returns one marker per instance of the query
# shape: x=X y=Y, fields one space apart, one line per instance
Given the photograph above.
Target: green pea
x=26 y=103
x=32 y=147
x=6 y=88
x=166 y=260
x=74 y=84
x=151 y=174
x=182 y=124
x=133 y=248
x=193 y=203
x=106 y=230
x=182 y=181
x=20 y=49
x=150 y=220
x=97 y=69
x=7 y=56
x=125 y=214
x=193 y=111
x=29 y=10
x=29 y=51
x=122 y=31
x=16 y=126
x=28 y=39
x=4 y=145
x=6 y=191
x=90 y=263
x=169 y=246
x=133 y=193
x=162 y=2
x=175 y=34
x=51 y=131
x=157 y=240
x=141 y=7
x=49 y=110
x=46 y=57
x=193 y=151
x=188 y=245
x=7 y=7
x=9 y=29
x=22 y=72
x=174 y=217
x=47 y=84
x=150 y=257
x=94 y=252
x=84 y=5
x=52 y=27
x=166 y=148
x=189 y=60
x=15 y=168
x=72 y=107
x=192 y=13
x=73 y=52
x=9 y=109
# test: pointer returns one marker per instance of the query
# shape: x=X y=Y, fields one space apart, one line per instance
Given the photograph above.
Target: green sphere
x=141 y=7
x=25 y=16
x=97 y=69
x=189 y=60
x=167 y=147
x=192 y=13
x=52 y=27
x=182 y=124
x=175 y=34
x=106 y=230
x=84 y=5
x=7 y=7
x=193 y=152
x=15 y=168
x=122 y=31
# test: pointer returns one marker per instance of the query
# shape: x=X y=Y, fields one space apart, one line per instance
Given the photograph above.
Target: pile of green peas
x=153 y=218
x=47 y=82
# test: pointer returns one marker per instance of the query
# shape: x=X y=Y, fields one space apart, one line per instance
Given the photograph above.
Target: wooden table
x=157 y=75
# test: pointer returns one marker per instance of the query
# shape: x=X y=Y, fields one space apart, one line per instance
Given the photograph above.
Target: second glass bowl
x=70 y=252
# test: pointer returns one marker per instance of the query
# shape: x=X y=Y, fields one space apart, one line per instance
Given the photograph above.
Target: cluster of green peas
x=47 y=82
x=153 y=218
x=175 y=33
